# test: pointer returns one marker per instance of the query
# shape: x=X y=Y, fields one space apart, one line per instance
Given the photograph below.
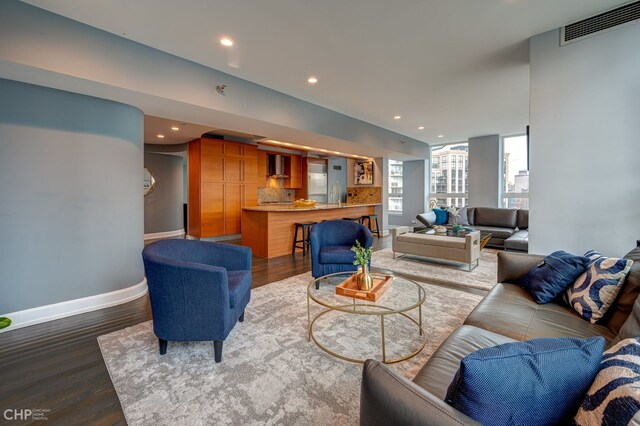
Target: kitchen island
x=269 y=229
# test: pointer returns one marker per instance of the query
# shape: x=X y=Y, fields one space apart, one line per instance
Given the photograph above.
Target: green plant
x=363 y=255
x=4 y=322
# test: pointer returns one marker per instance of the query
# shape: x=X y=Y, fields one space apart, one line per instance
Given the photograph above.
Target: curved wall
x=163 y=206
x=71 y=209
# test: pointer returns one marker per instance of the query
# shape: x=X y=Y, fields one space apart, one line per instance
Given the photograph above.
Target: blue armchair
x=331 y=243
x=198 y=289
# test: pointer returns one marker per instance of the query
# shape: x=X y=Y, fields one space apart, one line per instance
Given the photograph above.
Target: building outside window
x=395 y=187
x=515 y=188
x=450 y=190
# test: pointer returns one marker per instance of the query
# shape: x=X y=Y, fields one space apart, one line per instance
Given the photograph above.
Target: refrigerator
x=317 y=183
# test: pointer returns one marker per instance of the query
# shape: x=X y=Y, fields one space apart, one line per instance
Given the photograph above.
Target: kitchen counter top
x=292 y=208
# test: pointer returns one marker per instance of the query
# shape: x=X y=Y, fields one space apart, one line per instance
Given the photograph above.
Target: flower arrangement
x=4 y=322
x=363 y=255
x=454 y=213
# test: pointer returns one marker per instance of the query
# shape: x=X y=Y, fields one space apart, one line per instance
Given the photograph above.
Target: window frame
x=504 y=195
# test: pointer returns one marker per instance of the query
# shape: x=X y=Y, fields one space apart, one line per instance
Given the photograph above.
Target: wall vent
x=607 y=21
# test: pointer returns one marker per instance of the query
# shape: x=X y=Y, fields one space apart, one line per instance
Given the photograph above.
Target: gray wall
x=585 y=149
x=338 y=175
x=485 y=169
x=163 y=205
x=71 y=215
x=415 y=182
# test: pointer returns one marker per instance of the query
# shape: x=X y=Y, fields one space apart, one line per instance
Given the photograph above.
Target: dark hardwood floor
x=58 y=366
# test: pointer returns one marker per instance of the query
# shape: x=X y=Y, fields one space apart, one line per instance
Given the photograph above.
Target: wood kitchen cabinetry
x=223 y=178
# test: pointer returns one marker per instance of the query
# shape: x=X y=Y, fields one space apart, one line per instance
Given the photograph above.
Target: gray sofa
x=506 y=314
x=509 y=228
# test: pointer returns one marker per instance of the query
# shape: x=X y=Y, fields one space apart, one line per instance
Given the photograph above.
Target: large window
x=449 y=175
x=395 y=187
x=515 y=191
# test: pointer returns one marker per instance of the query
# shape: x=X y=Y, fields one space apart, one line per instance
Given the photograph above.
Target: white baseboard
x=56 y=311
x=167 y=234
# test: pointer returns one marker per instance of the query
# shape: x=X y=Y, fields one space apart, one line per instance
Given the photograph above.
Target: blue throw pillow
x=442 y=216
x=553 y=275
x=535 y=382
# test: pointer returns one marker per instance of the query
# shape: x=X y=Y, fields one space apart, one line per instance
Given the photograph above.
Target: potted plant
x=363 y=257
x=4 y=322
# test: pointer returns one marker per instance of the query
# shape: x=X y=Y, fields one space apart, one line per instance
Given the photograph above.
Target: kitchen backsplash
x=275 y=193
x=364 y=194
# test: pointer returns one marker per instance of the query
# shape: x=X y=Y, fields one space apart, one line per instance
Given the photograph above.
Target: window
x=450 y=190
x=515 y=188
x=395 y=187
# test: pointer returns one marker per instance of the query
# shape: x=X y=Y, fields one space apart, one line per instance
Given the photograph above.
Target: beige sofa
x=455 y=249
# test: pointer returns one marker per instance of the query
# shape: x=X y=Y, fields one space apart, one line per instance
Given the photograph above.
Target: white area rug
x=483 y=277
x=270 y=374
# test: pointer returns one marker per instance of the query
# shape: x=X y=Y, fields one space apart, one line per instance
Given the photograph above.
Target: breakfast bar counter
x=269 y=229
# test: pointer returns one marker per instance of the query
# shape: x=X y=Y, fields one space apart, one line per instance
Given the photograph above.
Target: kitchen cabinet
x=223 y=178
x=294 y=181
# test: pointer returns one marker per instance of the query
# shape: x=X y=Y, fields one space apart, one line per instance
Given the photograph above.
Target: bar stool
x=353 y=219
x=304 y=242
x=368 y=219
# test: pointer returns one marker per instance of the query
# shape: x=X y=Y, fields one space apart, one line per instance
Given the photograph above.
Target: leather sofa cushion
x=618 y=313
x=511 y=311
x=471 y=213
x=239 y=285
x=496 y=232
x=500 y=218
x=437 y=374
x=519 y=241
x=433 y=240
x=522 y=219
x=337 y=254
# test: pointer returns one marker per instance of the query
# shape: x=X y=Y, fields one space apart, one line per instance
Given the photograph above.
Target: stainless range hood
x=275 y=166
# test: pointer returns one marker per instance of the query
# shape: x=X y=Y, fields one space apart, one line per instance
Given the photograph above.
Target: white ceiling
x=458 y=67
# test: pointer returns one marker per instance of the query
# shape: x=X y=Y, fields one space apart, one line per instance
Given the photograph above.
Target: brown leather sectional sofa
x=509 y=227
x=506 y=314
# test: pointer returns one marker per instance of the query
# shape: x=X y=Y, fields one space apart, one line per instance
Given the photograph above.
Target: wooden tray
x=349 y=288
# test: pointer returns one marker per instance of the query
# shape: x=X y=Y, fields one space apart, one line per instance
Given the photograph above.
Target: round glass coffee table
x=402 y=296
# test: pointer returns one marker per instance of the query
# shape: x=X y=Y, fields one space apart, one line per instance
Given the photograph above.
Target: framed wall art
x=363 y=172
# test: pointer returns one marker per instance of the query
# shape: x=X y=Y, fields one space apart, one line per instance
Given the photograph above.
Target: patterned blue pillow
x=614 y=396
x=530 y=383
x=594 y=292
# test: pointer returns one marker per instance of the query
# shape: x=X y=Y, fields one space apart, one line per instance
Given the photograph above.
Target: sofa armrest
x=387 y=398
x=512 y=266
x=395 y=232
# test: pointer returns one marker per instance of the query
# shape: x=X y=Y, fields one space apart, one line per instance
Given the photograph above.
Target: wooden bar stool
x=368 y=225
x=304 y=242
x=353 y=219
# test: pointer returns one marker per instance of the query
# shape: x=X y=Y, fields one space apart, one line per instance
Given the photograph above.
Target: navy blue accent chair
x=331 y=243
x=198 y=290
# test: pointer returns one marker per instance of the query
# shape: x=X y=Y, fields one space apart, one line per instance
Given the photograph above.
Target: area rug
x=483 y=277
x=270 y=373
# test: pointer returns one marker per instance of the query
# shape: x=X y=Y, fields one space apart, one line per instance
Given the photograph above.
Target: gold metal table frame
x=352 y=309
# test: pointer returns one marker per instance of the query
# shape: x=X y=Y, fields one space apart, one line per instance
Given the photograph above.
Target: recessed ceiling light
x=175 y=129
x=312 y=80
x=441 y=136
x=421 y=128
x=160 y=136
x=397 y=117
x=226 y=41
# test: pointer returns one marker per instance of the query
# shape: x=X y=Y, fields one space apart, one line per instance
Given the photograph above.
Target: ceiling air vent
x=627 y=14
